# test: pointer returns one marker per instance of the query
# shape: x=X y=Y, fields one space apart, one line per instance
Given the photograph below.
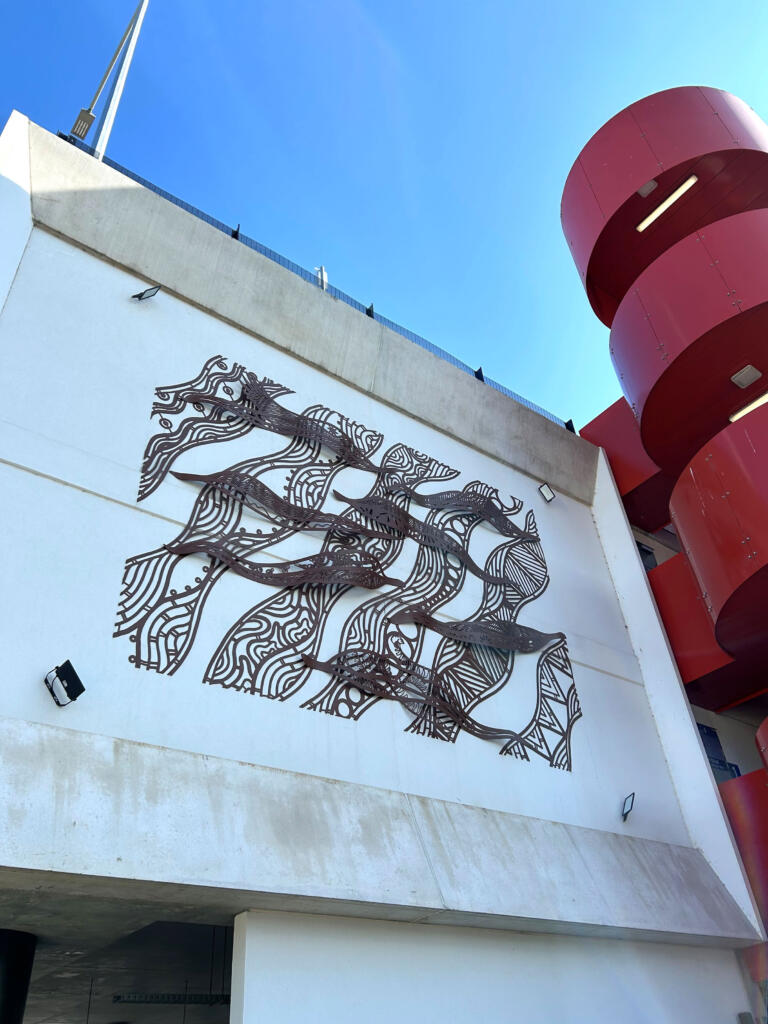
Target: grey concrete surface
x=112 y=216
x=230 y=836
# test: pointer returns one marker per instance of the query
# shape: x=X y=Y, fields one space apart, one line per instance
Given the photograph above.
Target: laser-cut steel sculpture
x=345 y=568
x=433 y=582
x=261 y=499
x=385 y=512
x=484 y=508
x=207 y=424
x=257 y=407
x=274 y=648
x=262 y=651
x=163 y=594
x=412 y=685
x=504 y=636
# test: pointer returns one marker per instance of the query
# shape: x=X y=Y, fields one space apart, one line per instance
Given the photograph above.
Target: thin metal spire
x=126 y=48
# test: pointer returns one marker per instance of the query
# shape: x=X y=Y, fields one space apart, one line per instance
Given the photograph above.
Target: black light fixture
x=570 y=427
x=64 y=684
x=629 y=803
x=147 y=293
x=547 y=493
x=369 y=311
x=479 y=374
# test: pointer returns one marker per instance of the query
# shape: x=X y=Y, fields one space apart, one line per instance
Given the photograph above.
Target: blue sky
x=416 y=149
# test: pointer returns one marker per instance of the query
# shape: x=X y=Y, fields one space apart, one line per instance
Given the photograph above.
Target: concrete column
x=17 y=953
x=237 y=1006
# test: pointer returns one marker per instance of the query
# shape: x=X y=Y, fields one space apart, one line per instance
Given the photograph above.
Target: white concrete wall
x=79 y=362
x=15 y=203
x=290 y=968
x=694 y=784
x=85 y=360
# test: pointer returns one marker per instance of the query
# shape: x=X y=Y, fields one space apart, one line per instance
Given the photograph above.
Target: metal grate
x=312 y=278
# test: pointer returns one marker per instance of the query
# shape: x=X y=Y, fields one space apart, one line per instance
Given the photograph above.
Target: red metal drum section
x=644 y=488
x=719 y=507
x=639 y=159
x=695 y=318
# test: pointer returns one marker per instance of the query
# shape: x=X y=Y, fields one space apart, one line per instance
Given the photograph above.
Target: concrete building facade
x=361 y=708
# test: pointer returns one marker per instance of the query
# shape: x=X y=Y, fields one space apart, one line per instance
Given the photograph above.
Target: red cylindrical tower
x=666 y=214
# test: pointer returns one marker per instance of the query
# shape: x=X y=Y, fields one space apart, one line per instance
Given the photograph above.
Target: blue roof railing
x=312 y=278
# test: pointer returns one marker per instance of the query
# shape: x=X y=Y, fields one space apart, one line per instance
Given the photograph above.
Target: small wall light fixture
x=746 y=375
x=147 y=293
x=479 y=374
x=629 y=803
x=64 y=684
x=547 y=493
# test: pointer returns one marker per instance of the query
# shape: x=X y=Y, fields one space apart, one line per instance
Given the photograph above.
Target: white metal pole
x=114 y=101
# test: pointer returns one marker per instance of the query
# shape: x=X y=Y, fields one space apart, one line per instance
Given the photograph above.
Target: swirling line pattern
x=162 y=598
x=262 y=651
x=273 y=649
x=433 y=582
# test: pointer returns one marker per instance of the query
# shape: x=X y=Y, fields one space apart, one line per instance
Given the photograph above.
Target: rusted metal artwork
x=261 y=499
x=346 y=568
x=504 y=636
x=163 y=595
x=262 y=652
x=257 y=407
x=385 y=512
x=205 y=425
x=487 y=509
x=434 y=581
x=273 y=649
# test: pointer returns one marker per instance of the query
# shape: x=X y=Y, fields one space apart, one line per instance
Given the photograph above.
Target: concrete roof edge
x=108 y=214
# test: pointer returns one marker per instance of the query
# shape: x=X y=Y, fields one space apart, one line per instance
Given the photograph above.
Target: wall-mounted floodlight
x=547 y=493
x=664 y=206
x=479 y=374
x=147 y=293
x=64 y=684
x=369 y=311
x=629 y=803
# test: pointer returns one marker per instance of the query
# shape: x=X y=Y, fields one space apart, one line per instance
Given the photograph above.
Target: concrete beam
x=110 y=215
x=228 y=836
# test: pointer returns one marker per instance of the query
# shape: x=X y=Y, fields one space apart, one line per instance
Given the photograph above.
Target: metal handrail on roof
x=312 y=278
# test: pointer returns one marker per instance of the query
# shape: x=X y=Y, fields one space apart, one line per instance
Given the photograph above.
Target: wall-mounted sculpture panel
x=238 y=522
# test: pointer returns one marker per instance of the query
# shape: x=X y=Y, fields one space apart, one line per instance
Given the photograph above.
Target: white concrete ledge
x=234 y=836
x=108 y=214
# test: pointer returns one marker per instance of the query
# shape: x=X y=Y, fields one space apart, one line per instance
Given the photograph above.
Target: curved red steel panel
x=639 y=159
x=693 y=319
x=644 y=488
x=720 y=509
x=761 y=741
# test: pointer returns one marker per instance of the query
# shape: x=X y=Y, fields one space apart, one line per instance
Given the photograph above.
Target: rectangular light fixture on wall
x=665 y=205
